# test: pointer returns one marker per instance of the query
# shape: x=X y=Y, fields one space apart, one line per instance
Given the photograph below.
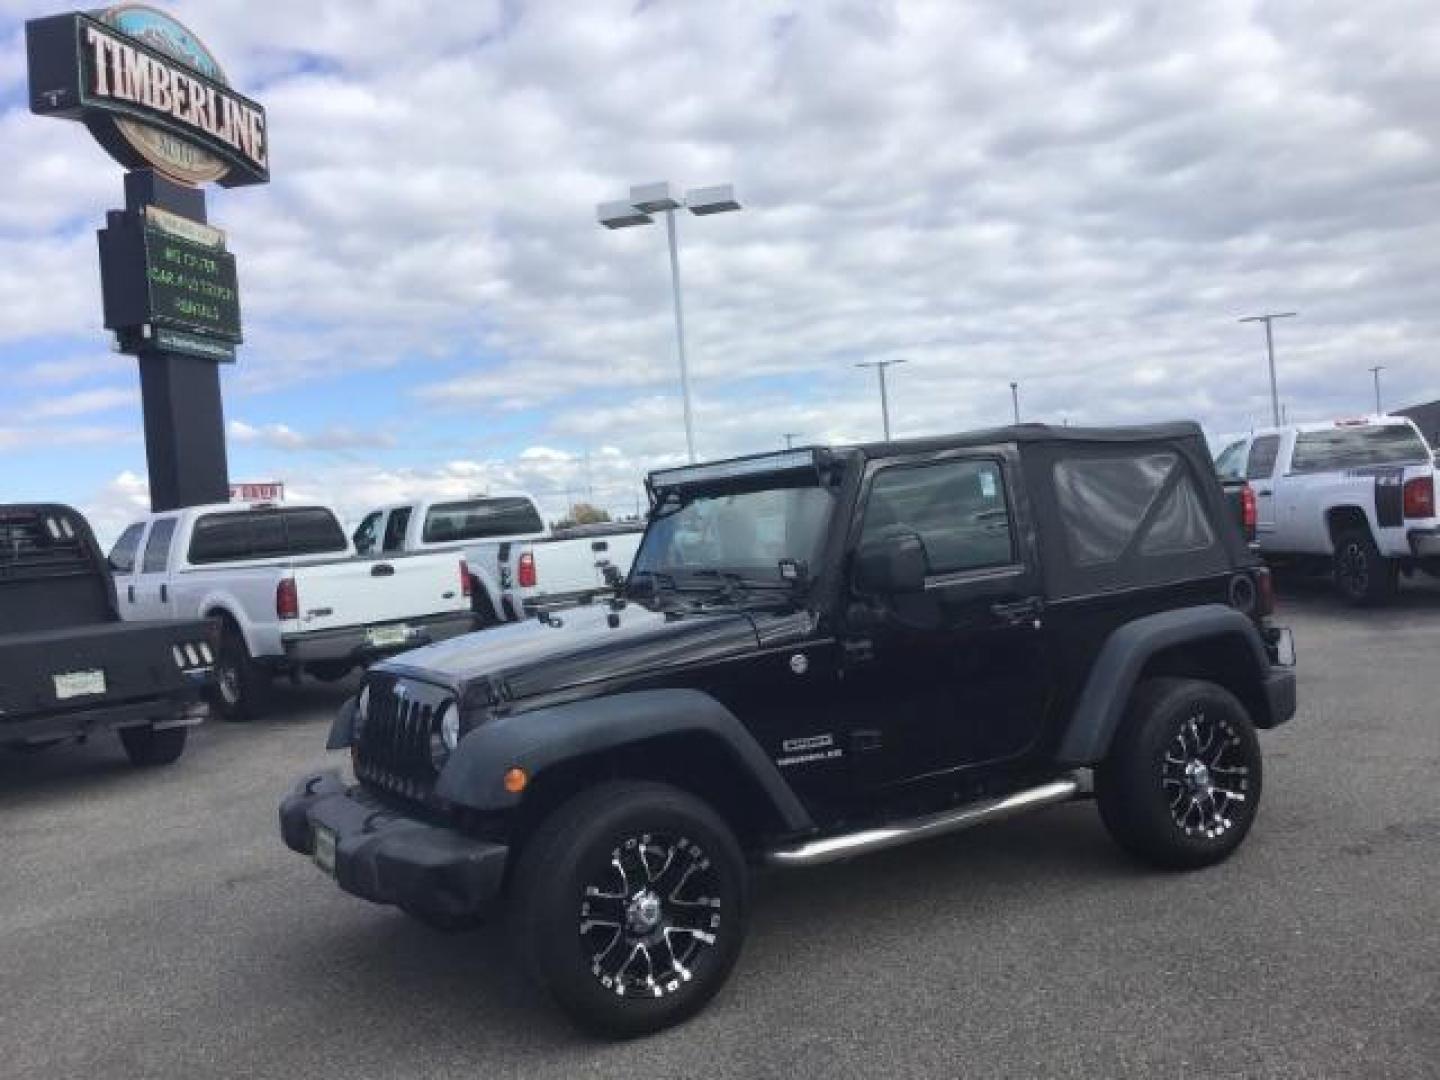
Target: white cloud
x=82 y=403
x=284 y=437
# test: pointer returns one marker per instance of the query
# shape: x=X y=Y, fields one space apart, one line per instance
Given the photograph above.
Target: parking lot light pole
x=645 y=201
x=1270 y=352
x=789 y=437
x=1015 y=400
x=1375 y=371
x=880 y=366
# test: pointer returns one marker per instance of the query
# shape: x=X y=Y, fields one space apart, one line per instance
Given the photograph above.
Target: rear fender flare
x=537 y=740
x=1124 y=655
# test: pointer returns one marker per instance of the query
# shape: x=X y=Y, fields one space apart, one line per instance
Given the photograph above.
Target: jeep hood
x=580 y=645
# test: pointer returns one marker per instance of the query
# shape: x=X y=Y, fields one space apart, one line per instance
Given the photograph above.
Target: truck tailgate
x=81 y=667
x=364 y=592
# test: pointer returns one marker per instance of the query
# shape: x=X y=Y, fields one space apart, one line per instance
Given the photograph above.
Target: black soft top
x=758 y=470
x=1031 y=433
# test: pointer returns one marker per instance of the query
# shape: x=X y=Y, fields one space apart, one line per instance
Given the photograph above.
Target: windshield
x=748 y=535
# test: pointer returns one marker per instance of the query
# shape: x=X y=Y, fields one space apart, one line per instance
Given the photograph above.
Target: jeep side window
x=1263 y=451
x=122 y=555
x=957 y=508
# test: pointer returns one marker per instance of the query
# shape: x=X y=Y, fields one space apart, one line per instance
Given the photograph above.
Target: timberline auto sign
x=150 y=92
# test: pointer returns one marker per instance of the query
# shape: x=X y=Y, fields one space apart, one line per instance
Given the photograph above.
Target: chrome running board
x=832 y=848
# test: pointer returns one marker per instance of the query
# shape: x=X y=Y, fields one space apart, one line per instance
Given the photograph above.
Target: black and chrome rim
x=1206 y=776
x=1353 y=568
x=649 y=916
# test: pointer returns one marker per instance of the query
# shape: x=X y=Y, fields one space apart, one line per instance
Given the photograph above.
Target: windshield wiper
x=729 y=584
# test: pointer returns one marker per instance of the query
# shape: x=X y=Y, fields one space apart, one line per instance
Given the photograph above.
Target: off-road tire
x=242 y=686
x=1149 y=789
x=1363 y=577
x=553 y=900
x=146 y=747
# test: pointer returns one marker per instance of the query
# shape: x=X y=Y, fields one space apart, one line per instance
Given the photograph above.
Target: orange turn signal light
x=515 y=780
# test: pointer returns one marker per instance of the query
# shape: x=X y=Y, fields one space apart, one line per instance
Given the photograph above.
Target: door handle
x=382 y=570
x=1018 y=612
x=1264 y=494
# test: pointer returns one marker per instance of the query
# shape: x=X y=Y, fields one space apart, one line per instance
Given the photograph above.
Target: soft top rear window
x=1357 y=446
x=1126 y=517
x=234 y=536
x=477 y=519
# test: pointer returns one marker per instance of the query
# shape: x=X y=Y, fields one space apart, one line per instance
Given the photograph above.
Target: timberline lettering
x=125 y=73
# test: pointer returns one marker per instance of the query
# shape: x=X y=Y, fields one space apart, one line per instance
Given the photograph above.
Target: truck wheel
x=1180 y=787
x=241 y=685
x=629 y=907
x=145 y=746
x=1364 y=577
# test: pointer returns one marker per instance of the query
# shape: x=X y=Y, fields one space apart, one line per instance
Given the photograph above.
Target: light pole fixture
x=789 y=437
x=1015 y=400
x=1375 y=371
x=880 y=366
x=1270 y=351
x=645 y=201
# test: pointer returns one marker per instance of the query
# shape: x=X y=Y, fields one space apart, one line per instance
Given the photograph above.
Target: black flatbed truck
x=69 y=668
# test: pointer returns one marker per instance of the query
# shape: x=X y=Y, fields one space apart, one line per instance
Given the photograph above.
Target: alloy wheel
x=1205 y=776
x=650 y=915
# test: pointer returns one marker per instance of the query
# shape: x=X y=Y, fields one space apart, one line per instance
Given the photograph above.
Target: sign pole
x=184 y=415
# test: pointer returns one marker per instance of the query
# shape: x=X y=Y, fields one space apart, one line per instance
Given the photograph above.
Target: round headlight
x=450 y=725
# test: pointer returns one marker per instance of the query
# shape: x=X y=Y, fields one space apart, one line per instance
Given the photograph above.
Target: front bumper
x=353 y=642
x=1280 y=694
x=383 y=856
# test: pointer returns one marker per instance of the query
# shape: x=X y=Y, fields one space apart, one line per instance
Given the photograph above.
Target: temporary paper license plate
x=381 y=637
x=72 y=684
x=325 y=849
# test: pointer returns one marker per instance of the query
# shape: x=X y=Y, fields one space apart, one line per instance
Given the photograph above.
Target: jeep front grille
x=392 y=747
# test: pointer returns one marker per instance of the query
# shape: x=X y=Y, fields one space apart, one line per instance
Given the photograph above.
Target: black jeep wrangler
x=818 y=653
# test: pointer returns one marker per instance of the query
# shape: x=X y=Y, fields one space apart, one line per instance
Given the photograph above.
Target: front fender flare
x=1117 y=667
x=537 y=740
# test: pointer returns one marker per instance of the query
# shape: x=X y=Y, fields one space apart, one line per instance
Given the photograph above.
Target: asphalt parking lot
x=152 y=925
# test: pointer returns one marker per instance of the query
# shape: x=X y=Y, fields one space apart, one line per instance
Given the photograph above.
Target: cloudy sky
x=1083 y=197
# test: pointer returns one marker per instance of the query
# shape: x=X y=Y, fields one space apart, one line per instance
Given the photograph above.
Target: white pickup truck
x=1357 y=496
x=513 y=580
x=516 y=565
x=288 y=592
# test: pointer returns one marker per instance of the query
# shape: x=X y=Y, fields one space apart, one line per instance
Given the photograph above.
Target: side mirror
x=891 y=565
